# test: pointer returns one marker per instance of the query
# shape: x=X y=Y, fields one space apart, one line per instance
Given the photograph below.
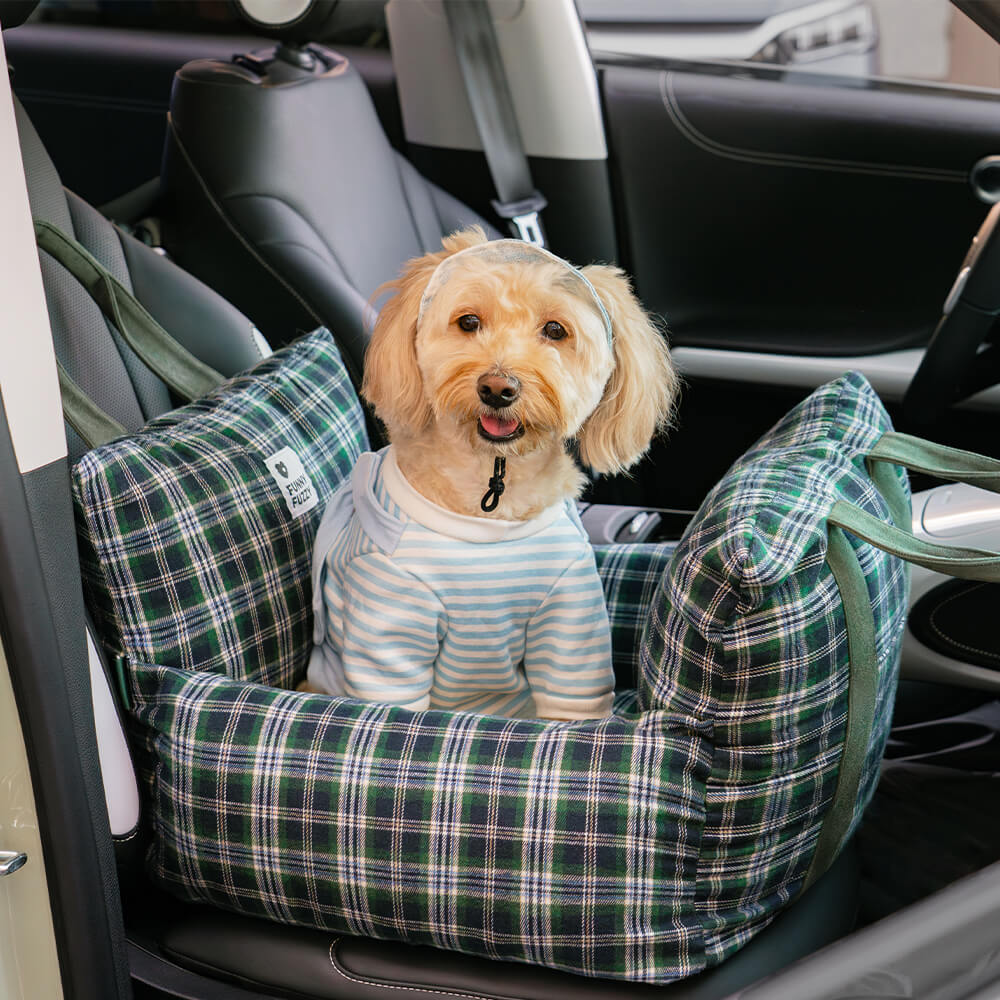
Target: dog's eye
x=469 y=322
x=553 y=330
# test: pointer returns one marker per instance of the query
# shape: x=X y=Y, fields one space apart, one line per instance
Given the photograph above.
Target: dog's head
x=517 y=350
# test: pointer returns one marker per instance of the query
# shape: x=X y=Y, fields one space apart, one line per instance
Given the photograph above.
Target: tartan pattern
x=748 y=633
x=630 y=575
x=644 y=847
x=189 y=555
x=567 y=844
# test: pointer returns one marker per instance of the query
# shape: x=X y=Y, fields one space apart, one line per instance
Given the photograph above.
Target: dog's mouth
x=498 y=429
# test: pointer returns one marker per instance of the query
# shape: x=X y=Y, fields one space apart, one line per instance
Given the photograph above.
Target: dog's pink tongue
x=497 y=427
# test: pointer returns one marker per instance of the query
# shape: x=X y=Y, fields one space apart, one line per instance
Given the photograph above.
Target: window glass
x=932 y=40
x=927 y=40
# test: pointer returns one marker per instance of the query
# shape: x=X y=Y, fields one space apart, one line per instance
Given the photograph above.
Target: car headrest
x=15 y=12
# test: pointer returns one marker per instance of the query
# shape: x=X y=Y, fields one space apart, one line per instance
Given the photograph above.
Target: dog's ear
x=392 y=382
x=641 y=395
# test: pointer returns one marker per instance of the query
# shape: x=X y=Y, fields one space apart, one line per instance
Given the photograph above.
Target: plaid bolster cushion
x=192 y=551
x=571 y=845
x=748 y=633
x=646 y=846
x=630 y=575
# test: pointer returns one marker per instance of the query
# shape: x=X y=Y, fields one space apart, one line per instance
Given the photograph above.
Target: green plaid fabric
x=190 y=555
x=646 y=846
x=630 y=575
x=748 y=634
x=570 y=845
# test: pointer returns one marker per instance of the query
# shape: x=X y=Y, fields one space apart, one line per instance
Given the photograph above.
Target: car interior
x=250 y=180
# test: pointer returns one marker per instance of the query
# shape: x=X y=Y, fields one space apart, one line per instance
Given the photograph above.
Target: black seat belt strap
x=475 y=40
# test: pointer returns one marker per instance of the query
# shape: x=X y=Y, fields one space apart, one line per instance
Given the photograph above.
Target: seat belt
x=185 y=374
x=475 y=41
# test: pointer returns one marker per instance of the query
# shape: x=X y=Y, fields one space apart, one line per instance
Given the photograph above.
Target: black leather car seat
x=282 y=192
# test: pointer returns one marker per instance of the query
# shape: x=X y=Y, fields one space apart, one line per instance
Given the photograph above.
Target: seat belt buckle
x=523 y=217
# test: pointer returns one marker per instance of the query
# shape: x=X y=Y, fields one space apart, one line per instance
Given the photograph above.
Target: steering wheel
x=959 y=359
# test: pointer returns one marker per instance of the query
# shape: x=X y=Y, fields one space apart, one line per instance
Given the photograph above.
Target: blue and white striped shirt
x=419 y=606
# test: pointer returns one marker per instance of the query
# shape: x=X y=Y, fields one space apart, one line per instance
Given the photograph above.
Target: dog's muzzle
x=499 y=392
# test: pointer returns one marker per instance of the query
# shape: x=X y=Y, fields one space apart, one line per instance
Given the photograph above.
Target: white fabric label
x=293 y=481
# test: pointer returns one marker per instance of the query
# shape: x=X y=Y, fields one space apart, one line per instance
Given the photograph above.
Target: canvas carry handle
x=974 y=564
x=188 y=377
x=945 y=463
x=937 y=460
x=91 y=423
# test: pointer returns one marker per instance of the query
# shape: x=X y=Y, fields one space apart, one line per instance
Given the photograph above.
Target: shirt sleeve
x=392 y=625
x=567 y=657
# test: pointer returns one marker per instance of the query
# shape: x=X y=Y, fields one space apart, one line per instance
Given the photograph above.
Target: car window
x=926 y=40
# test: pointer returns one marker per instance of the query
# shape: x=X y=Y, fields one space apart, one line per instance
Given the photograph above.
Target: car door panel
x=787 y=228
x=767 y=214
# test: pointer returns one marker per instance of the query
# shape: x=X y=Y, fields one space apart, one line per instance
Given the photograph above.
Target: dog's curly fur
x=423 y=382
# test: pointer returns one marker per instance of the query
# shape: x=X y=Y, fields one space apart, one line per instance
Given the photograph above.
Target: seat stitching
x=339 y=969
x=702 y=141
x=354 y=375
x=993 y=655
x=285 y=203
x=404 y=191
x=230 y=225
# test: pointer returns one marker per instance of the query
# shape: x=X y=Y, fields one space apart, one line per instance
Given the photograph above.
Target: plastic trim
x=28 y=374
x=555 y=95
x=121 y=790
x=890 y=373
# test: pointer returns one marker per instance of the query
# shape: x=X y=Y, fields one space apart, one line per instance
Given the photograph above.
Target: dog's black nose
x=499 y=391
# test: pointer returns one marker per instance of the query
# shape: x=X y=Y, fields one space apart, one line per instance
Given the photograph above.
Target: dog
x=453 y=572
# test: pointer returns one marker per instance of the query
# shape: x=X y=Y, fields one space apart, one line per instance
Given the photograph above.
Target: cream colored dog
x=498 y=349
x=490 y=359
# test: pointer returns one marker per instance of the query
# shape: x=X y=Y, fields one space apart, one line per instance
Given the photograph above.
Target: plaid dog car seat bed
x=645 y=846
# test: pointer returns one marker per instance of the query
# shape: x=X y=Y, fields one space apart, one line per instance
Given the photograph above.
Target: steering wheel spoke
x=954 y=367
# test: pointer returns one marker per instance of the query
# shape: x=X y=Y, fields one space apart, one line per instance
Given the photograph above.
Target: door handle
x=10 y=861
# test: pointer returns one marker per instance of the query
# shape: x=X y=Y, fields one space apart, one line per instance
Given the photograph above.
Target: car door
x=789 y=222
x=60 y=918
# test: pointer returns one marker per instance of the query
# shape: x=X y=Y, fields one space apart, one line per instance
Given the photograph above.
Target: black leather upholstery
x=15 y=12
x=781 y=270
x=290 y=961
x=283 y=193
x=956 y=619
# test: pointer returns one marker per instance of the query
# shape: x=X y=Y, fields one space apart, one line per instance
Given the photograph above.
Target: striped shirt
x=419 y=606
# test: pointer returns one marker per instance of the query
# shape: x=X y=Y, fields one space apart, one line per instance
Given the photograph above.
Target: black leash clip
x=492 y=496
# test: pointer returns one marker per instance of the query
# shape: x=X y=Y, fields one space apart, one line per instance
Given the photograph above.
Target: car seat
x=187 y=950
x=282 y=192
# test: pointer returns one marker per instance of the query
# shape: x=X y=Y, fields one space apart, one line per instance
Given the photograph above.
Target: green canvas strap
x=968 y=564
x=898 y=539
x=861 y=693
x=937 y=460
x=91 y=423
x=188 y=377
